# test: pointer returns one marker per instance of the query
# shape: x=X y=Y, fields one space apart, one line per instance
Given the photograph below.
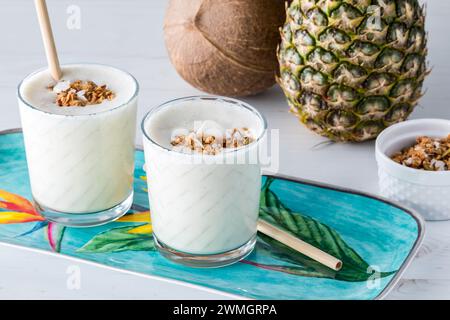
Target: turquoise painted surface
x=381 y=234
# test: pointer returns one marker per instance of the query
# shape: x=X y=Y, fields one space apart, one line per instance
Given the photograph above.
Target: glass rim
x=29 y=105
x=210 y=98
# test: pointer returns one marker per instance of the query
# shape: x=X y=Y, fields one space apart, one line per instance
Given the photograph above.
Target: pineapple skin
x=351 y=68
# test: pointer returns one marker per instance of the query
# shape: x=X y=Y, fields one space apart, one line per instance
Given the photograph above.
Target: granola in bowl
x=430 y=154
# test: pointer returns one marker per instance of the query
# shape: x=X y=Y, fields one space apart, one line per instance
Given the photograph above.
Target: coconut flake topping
x=210 y=138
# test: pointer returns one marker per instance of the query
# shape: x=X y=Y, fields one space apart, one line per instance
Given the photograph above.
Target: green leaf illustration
x=118 y=240
x=354 y=269
x=55 y=234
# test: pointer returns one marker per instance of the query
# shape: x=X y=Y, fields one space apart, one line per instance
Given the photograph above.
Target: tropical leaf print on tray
x=354 y=269
x=118 y=240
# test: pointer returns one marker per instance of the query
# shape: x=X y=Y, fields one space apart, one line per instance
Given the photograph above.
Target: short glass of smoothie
x=204 y=178
x=79 y=138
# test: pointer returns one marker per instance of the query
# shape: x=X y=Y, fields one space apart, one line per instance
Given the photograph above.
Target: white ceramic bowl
x=426 y=191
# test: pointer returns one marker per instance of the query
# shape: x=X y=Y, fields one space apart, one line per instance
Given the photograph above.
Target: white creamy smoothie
x=203 y=202
x=80 y=157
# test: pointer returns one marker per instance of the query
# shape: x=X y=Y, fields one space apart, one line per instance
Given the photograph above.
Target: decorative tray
x=375 y=239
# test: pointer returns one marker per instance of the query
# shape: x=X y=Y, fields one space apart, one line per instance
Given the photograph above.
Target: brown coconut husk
x=225 y=47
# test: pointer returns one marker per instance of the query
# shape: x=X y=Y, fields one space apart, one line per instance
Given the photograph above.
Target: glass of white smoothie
x=204 y=178
x=79 y=140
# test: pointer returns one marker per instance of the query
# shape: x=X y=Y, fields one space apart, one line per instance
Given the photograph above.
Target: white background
x=128 y=34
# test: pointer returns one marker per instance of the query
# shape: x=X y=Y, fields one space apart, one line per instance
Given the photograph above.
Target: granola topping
x=210 y=139
x=427 y=154
x=80 y=93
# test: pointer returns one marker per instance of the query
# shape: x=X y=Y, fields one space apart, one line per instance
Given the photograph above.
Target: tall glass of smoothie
x=204 y=178
x=79 y=140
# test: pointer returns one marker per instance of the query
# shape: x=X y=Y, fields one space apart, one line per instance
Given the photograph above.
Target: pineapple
x=350 y=68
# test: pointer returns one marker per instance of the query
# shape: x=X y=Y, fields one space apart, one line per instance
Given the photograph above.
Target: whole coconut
x=225 y=47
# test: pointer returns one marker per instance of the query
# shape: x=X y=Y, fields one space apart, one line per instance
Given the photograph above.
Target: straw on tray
x=299 y=245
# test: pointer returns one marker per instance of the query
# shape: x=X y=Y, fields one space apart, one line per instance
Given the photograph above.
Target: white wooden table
x=128 y=34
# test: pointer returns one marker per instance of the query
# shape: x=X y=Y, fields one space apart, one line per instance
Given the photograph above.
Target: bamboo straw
x=49 y=41
x=299 y=245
